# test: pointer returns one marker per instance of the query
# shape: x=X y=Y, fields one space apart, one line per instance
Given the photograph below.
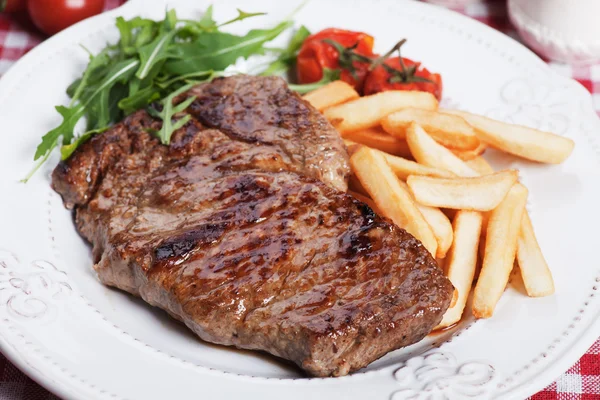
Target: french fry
x=351 y=146
x=367 y=112
x=441 y=227
x=428 y=152
x=449 y=130
x=438 y=222
x=461 y=262
x=377 y=138
x=390 y=197
x=467 y=155
x=480 y=165
x=365 y=199
x=355 y=186
x=403 y=168
x=534 y=269
x=500 y=250
x=332 y=94
x=518 y=140
x=454 y=297
x=479 y=193
x=484 y=224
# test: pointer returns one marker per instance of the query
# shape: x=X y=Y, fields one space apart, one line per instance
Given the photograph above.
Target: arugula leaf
x=168 y=111
x=218 y=50
x=242 y=15
x=68 y=149
x=118 y=92
x=207 y=23
x=202 y=75
x=170 y=20
x=156 y=60
x=140 y=99
x=158 y=49
x=287 y=56
x=329 y=75
x=146 y=33
x=125 y=32
x=96 y=75
x=39 y=163
x=135 y=33
x=98 y=111
x=71 y=115
x=102 y=59
x=105 y=109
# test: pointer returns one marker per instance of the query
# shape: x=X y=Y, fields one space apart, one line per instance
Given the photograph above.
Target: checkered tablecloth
x=580 y=382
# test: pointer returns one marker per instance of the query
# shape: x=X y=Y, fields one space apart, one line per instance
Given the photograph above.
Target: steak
x=241 y=228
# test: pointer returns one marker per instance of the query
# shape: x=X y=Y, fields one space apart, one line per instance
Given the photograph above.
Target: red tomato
x=52 y=16
x=335 y=49
x=12 y=5
x=392 y=75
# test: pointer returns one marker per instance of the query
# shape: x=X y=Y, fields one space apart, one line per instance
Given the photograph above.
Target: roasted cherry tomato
x=351 y=52
x=12 y=5
x=395 y=74
x=52 y=16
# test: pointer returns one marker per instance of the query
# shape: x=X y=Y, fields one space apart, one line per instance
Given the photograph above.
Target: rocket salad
x=155 y=61
x=152 y=61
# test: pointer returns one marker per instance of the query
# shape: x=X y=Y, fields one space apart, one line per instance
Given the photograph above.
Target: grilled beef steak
x=241 y=229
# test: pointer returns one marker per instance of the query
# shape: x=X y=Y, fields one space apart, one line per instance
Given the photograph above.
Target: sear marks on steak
x=241 y=229
x=265 y=111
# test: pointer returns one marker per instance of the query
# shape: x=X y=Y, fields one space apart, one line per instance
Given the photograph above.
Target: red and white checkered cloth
x=580 y=382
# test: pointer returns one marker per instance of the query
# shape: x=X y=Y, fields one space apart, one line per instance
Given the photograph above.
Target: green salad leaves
x=153 y=63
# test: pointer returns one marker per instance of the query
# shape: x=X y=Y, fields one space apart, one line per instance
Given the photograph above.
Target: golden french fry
x=462 y=262
x=467 y=155
x=480 y=165
x=438 y=222
x=390 y=197
x=484 y=224
x=534 y=269
x=330 y=95
x=351 y=146
x=355 y=186
x=449 y=130
x=441 y=227
x=403 y=168
x=452 y=303
x=518 y=140
x=428 y=152
x=367 y=111
x=500 y=250
x=478 y=193
x=377 y=138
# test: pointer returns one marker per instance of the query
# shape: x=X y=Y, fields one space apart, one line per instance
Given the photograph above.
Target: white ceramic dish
x=85 y=341
x=560 y=30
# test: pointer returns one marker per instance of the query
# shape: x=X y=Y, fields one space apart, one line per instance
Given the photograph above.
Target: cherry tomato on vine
x=351 y=52
x=402 y=74
x=52 y=16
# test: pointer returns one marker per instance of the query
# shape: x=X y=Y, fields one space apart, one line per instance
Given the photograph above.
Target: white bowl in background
x=561 y=30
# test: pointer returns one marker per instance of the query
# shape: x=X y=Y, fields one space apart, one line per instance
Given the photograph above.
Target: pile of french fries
x=421 y=167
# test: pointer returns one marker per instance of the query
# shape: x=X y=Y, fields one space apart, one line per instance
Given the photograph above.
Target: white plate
x=83 y=340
